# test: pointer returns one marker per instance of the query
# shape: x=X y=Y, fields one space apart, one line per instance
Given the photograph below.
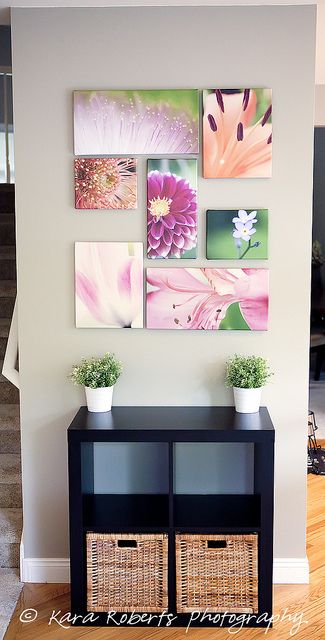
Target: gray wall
x=156 y=47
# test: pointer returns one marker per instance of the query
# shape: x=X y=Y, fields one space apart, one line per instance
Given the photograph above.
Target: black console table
x=170 y=512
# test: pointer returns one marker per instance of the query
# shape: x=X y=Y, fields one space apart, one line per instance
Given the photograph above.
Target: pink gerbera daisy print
x=172 y=209
x=105 y=183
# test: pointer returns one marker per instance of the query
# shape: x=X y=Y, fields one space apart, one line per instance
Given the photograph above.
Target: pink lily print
x=237 y=133
x=200 y=298
x=109 y=284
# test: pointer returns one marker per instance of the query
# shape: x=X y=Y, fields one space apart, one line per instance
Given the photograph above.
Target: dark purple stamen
x=266 y=115
x=269 y=140
x=220 y=100
x=240 y=132
x=212 y=122
x=246 y=98
x=176 y=320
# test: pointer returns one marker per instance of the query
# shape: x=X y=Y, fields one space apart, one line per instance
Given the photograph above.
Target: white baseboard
x=46 y=570
x=285 y=570
x=291 y=571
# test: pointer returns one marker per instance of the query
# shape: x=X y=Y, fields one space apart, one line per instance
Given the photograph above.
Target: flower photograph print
x=136 y=122
x=208 y=299
x=237 y=234
x=105 y=183
x=109 y=285
x=237 y=133
x=172 y=208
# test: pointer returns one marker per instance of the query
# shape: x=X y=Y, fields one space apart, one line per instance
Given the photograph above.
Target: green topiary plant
x=97 y=372
x=247 y=372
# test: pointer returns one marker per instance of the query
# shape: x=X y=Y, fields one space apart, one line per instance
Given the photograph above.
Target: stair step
x=7 y=218
x=8 y=288
x=9 y=394
x=7 y=229
x=7 y=266
x=7 y=269
x=7 y=198
x=9 y=417
x=6 y=307
x=4 y=326
x=10 y=495
x=2 y=378
x=10 y=442
x=10 y=468
x=9 y=554
x=11 y=524
x=3 y=345
x=8 y=252
x=10 y=591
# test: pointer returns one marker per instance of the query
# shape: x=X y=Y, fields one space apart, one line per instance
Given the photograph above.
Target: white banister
x=10 y=362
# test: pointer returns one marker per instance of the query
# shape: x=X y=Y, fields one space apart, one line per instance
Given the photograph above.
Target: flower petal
x=157 y=229
x=169 y=185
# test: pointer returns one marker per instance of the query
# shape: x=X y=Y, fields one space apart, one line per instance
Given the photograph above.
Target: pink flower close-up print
x=172 y=208
x=109 y=284
x=237 y=133
x=105 y=183
x=127 y=122
x=207 y=299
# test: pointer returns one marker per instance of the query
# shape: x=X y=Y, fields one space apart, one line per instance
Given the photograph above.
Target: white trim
x=291 y=571
x=285 y=570
x=21 y=556
x=9 y=370
x=46 y=570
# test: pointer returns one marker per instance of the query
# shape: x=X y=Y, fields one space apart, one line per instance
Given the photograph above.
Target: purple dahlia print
x=172 y=209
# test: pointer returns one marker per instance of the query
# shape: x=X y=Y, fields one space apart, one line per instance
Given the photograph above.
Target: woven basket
x=217 y=572
x=127 y=572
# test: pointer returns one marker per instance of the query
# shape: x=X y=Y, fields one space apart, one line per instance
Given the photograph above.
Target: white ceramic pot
x=99 y=400
x=247 y=400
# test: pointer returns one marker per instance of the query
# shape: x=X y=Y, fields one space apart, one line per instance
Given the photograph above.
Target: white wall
x=58 y=50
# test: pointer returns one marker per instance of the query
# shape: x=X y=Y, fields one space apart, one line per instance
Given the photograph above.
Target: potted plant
x=98 y=375
x=247 y=375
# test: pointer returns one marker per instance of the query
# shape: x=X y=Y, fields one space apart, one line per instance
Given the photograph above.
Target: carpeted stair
x=10 y=462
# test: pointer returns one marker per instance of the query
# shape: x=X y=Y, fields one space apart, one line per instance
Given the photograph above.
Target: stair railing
x=10 y=362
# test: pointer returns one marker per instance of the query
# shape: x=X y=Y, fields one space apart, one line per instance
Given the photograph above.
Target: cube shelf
x=172 y=471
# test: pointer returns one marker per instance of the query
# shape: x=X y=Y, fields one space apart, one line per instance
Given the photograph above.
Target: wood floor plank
x=308 y=600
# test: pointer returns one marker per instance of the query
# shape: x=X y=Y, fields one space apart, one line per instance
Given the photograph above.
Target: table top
x=171 y=423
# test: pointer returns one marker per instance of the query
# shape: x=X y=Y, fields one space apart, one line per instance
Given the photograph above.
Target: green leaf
x=234 y=320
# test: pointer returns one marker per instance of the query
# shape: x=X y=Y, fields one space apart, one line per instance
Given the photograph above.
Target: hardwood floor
x=306 y=600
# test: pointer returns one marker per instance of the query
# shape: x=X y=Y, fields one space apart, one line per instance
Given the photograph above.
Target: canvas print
x=207 y=299
x=172 y=208
x=109 y=284
x=234 y=234
x=237 y=133
x=136 y=122
x=105 y=183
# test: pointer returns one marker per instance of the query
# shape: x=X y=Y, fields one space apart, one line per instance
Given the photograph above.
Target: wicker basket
x=127 y=572
x=217 y=572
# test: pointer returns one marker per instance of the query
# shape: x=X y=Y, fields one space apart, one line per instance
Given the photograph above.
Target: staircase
x=10 y=463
